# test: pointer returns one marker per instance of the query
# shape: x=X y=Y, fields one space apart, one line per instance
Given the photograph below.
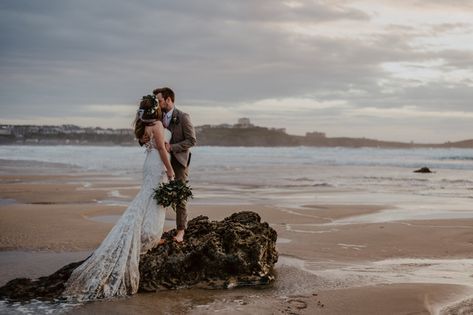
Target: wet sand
x=48 y=218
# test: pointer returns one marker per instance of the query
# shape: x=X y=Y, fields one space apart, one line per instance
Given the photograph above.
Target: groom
x=182 y=139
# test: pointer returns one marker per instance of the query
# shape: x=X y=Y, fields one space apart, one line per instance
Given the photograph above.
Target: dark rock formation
x=423 y=170
x=237 y=251
x=240 y=250
x=44 y=288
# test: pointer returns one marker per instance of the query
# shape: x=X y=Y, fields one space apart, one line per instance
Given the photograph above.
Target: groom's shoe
x=179 y=236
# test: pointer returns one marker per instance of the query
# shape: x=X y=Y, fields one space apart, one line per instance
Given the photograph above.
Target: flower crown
x=148 y=112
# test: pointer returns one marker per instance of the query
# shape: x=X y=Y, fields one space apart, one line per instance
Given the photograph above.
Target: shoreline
x=48 y=218
x=259 y=141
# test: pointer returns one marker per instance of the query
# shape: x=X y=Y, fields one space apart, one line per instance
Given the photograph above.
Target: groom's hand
x=144 y=139
x=168 y=147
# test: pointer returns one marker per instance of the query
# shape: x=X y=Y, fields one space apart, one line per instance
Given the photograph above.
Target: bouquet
x=172 y=193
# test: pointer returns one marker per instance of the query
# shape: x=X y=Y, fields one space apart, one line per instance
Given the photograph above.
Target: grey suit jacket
x=183 y=136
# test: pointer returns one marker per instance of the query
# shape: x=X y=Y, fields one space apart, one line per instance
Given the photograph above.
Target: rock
x=423 y=170
x=44 y=288
x=237 y=251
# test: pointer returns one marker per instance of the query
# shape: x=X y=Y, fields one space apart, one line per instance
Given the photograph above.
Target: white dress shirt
x=167 y=118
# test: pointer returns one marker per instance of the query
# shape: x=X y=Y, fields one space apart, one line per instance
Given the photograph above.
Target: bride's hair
x=148 y=113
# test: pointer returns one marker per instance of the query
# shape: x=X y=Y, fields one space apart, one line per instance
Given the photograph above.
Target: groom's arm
x=145 y=139
x=189 y=135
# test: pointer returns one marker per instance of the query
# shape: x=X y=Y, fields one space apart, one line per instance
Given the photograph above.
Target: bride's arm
x=158 y=133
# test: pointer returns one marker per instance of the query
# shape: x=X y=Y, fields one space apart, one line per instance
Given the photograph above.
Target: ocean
x=291 y=176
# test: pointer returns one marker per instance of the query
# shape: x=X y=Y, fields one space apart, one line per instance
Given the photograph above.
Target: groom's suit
x=182 y=139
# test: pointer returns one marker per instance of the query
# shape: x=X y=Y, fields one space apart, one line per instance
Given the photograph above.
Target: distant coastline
x=242 y=133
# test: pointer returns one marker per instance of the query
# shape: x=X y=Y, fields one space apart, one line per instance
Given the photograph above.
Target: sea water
x=284 y=169
x=295 y=176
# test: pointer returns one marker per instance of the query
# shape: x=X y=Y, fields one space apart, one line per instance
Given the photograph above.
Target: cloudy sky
x=387 y=69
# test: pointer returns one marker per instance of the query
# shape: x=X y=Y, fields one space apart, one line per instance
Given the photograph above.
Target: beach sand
x=49 y=218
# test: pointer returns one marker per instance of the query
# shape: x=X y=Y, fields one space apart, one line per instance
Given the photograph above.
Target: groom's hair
x=165 y=92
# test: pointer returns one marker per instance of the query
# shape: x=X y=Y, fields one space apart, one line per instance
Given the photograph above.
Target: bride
x=113 y=268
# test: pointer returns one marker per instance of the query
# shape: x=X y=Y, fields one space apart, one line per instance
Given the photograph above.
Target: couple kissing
x=113 y=268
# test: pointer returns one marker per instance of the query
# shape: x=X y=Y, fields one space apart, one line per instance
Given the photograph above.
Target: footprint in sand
x=297 y=303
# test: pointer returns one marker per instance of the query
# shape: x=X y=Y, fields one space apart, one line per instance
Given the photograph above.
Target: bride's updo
x=148 y=113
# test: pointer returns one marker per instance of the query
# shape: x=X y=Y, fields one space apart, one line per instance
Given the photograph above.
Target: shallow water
x=6 y=202
x=294 y=277
x=33 y=264
x=290 y=280
x=388 y=271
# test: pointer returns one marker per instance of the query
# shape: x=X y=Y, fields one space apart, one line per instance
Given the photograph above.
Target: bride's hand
x=170 y=174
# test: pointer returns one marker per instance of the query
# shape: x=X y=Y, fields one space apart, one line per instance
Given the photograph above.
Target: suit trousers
x=181 y=172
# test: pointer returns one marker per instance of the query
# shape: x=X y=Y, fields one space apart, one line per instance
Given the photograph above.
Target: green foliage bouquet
x=172 y=193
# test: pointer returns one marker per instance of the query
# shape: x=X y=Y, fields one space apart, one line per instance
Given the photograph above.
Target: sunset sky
x=386 y=69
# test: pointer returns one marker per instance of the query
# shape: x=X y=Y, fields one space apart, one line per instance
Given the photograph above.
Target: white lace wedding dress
x=113 y=269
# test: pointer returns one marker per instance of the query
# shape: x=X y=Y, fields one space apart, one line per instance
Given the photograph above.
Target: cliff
x=222 y=135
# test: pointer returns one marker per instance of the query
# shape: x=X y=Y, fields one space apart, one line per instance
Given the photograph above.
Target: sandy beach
x=53 y=214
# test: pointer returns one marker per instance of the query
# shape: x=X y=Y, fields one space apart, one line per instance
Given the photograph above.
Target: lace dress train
x=113 y=269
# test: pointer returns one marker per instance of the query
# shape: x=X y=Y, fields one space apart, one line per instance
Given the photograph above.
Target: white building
x=243 y=122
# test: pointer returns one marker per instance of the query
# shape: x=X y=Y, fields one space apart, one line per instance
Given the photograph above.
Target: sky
x=387 y=69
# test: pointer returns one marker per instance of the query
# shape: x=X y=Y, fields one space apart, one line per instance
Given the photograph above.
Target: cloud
x=59 y=57
x=408 y=112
